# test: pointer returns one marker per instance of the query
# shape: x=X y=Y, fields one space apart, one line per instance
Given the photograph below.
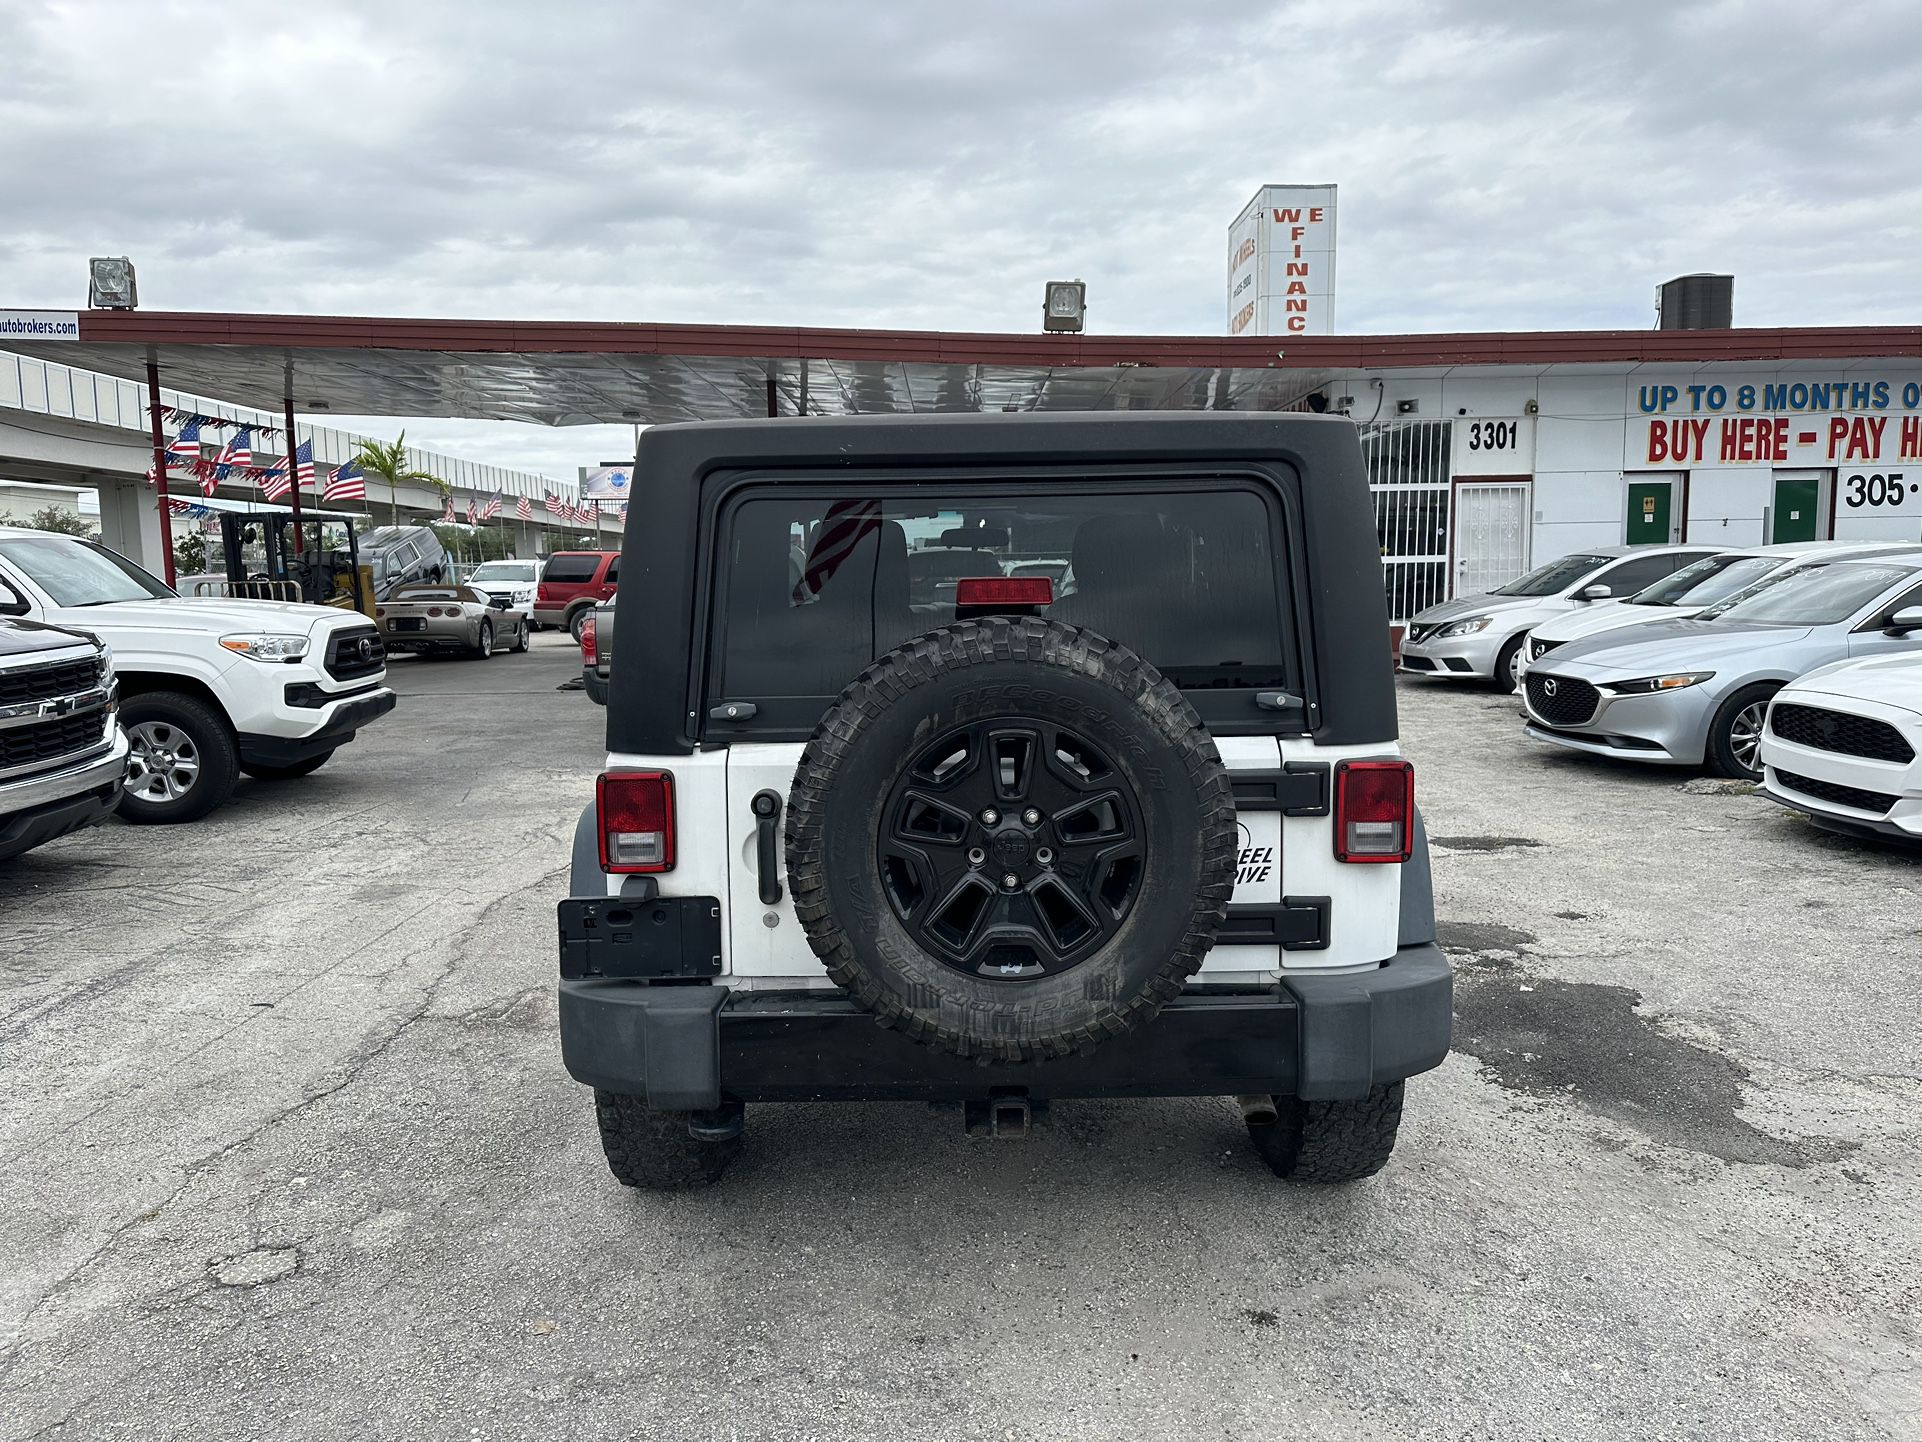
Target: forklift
x=267 y=558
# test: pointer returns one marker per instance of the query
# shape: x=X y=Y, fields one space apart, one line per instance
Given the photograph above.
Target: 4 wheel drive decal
x=1253 y=864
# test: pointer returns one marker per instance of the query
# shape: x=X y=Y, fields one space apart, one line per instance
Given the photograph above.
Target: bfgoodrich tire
x=1327 y=1142
x=653 y=1149
x=1011 y=839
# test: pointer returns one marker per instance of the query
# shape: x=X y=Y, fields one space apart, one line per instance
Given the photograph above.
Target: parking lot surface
x=289 y=1151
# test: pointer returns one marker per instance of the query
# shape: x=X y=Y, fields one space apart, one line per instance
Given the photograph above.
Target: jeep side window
x=812 y=589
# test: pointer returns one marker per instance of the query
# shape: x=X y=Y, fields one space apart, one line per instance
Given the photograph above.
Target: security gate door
x=1650 y=513
x=1491 y=534
x=1793 y=517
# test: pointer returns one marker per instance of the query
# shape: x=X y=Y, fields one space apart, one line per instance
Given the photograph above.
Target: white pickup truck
x=209 y=688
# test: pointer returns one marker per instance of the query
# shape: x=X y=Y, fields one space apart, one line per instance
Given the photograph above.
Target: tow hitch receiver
x=1007 y=1117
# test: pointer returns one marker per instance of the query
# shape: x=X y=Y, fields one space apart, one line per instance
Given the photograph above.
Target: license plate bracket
x=662 y=937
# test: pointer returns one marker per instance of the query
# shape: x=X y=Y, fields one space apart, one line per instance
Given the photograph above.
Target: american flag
x=304 y=464
x=274 y=482
x=473 y=512
x=524 y=508
x=240 y=449
x=492 y=508
x=846 y=525
x=447 y=510
x=151 y=474
x=556 y=506
x=223 y=466
x=186 y=446
x=345 y=483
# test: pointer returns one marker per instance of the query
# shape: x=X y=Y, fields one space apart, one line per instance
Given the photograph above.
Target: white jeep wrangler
x=209 y=689
x=1146 y=835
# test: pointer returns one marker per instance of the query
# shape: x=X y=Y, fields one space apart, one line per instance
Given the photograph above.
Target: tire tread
x=1325 y=1143
x=917 y=662
x=652 y=1149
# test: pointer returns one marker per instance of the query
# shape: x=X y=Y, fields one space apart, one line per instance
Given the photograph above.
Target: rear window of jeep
x=812 y=588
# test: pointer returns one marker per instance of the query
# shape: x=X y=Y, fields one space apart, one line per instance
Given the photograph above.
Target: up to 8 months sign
x=1799 y=423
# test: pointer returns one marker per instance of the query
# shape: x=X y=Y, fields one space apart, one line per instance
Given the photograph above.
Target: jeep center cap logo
x=1009 y=848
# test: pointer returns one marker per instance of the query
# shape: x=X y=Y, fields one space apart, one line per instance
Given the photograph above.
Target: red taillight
x=1374 y=810
x=1004 y=591
x=636 y=814
x=588 y=655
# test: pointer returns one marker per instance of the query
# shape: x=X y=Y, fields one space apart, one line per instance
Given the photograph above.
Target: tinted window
x=1706 y=582
x=79 y=573
x=1631 y=576
x=571 y=567
x=1555 y=576
x=613 y=571
x=813 y=589
x=1817 y=595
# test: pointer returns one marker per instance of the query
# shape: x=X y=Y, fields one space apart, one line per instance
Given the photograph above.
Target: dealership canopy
x=582 y=372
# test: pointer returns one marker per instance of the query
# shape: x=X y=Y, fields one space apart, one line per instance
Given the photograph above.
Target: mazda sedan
x=426 y=618
x=1696 y=691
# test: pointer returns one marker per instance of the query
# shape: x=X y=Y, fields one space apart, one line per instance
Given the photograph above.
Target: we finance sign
x=1813 y=422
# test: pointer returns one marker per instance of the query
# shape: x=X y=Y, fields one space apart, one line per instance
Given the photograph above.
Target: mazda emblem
x=1549 y=686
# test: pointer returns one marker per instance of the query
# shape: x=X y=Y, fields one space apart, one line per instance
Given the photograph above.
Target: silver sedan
x=425 y=617
x=1696 y=691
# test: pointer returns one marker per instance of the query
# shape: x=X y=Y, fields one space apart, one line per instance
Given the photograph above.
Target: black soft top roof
x=1314 y=460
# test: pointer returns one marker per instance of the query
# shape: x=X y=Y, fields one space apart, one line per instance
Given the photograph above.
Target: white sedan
x=1843 y=744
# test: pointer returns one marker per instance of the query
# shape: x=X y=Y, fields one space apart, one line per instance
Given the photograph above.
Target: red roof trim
x=161 y=328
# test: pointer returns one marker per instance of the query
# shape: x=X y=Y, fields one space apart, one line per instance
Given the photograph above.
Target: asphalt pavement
x=289 y=1153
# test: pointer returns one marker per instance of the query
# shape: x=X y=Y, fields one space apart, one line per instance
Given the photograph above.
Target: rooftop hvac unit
x=1697 y=302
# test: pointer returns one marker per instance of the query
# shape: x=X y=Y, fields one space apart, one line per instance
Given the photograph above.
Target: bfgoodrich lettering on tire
x=1011 y=839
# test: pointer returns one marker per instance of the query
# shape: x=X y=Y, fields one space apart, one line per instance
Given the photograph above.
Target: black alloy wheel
x=1012 y=850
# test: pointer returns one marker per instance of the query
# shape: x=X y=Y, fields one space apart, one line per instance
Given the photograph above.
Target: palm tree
x=388 y=462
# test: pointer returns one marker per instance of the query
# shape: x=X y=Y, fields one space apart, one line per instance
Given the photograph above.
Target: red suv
x=571 y=584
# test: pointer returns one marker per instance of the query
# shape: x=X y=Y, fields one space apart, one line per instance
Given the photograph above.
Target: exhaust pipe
x=1258 y=1111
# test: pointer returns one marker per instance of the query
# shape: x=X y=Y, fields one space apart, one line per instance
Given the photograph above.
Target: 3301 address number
x=1877 y=490
x=1493 y=435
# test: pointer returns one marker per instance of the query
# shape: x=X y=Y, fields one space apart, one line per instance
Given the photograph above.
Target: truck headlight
x=1647 y=685
x=1467 y=626
x=267 y=647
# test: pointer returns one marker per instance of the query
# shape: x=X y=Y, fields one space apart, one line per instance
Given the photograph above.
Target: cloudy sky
x=1503 y=164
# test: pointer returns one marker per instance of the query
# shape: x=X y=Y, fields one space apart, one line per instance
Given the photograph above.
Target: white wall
x=1591 y=437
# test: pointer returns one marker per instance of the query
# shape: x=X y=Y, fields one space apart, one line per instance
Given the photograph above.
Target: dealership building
x=1487 y=452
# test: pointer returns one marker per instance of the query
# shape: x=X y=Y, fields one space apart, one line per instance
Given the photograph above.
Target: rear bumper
x=692 y=1047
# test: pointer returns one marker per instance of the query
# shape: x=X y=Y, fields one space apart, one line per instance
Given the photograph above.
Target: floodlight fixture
x=1066 y=306
x=110 y=283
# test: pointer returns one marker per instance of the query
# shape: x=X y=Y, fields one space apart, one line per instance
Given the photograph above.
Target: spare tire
x=1011 y=839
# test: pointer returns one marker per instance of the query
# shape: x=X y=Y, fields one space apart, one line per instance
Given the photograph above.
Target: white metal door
x=1491 y=535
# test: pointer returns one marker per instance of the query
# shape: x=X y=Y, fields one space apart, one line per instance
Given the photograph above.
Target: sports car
x=424 y=617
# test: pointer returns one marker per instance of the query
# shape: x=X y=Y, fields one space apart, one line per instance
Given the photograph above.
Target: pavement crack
x=344 y=1077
